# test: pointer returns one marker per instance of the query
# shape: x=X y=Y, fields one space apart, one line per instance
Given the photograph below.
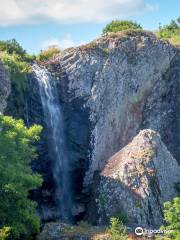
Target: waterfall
x=53 y=117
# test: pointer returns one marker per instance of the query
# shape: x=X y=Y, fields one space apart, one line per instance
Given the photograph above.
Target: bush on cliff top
x=170 y=32
x=12 y=47
x=17 y=179
x=17 y=69
x=48 y=53
x=117 y=26
x=16 y=60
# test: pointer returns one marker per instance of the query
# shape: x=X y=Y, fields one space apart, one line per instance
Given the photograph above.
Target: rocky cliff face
x=112 y=88
x=115 y=80
x=137 y=180
x=109 y=90
x=4 y=87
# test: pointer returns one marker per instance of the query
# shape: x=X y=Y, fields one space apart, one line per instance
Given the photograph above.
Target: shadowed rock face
x=137 y=181
x=4 y=87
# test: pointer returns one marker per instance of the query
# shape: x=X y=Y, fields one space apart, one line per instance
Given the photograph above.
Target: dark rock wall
x=162 y=112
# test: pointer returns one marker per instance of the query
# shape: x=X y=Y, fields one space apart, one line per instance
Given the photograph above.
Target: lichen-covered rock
x=137 y=180
x=4 y=87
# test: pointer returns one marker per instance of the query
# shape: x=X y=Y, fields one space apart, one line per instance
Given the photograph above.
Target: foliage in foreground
x=118 y=26
x=117 y=230
x=48 y=53
x=172 y=218
x=4 y=233
x=17 y=179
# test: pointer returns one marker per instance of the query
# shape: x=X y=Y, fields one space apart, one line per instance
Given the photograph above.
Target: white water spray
x=56 y=139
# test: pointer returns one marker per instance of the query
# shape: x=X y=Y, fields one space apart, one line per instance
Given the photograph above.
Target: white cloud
x=14 y=12
x=64 y=43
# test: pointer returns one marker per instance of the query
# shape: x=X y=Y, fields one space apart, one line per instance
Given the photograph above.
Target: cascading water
x=56 y=138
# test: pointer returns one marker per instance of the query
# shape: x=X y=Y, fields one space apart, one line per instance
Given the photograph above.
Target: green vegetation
x=4 y=233
x=48 y=53
x=118 y=26
x=172 y=218
x=122 y=217
x=16 y=60
x=17 y=68
x=17 y=179
x=170 y=32
x=13 y=47
x=117 y=230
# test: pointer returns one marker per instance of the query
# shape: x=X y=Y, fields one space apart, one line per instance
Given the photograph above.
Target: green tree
x=12 y=47
x=17 y=151
x=169 y=30
x=121 y=25
x=172 y=218
x=117 y=230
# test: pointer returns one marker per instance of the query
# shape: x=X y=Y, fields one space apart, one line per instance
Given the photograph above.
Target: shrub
x=17 y=69
x=122 y=216
x=4 y=233
x=117 y=26
x=17 y=179
x=172 y=218
x=170 y=30
x=12 y=47
x=117 y=230
x=48 y=53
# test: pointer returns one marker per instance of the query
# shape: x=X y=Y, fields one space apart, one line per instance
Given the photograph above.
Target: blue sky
x=39 y=23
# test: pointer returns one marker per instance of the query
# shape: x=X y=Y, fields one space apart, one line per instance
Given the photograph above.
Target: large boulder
x=137 y=180
x=4 y=87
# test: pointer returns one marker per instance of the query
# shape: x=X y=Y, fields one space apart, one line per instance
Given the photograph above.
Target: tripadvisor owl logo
x=139 y=231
